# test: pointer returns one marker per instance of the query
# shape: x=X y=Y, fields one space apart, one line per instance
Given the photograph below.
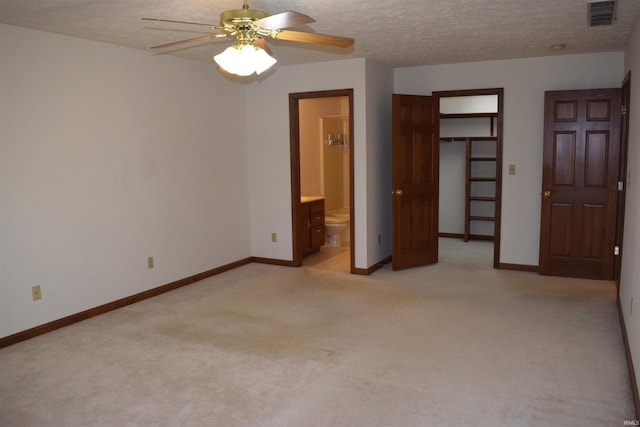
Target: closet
x=469 y=166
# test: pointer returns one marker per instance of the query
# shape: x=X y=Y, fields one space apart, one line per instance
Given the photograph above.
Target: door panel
x=415 y=156
x=594 y=223
x=580 y=172
x=596 y=165
x=564 y=153
x=561 y=229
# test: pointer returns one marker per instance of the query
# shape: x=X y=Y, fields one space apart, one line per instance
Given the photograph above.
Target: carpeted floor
x=457 y=343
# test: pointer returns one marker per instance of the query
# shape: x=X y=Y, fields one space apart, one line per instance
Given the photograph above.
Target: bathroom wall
x=322 y=167
x=336 y=163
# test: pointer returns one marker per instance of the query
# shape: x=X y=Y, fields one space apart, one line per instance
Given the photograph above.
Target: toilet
x=335 y=224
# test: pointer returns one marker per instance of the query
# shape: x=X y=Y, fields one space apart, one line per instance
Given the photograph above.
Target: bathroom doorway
x=321 y=135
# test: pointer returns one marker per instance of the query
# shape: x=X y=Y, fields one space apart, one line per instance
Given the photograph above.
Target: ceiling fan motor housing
x=238 y=22
x=238 y=16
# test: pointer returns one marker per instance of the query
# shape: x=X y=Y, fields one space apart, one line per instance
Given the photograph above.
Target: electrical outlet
x=36 y=293
x=512 y=169
x=274 y=237
x=150 y=262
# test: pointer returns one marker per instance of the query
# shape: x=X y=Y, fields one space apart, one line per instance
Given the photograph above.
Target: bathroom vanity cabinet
x=311 y=235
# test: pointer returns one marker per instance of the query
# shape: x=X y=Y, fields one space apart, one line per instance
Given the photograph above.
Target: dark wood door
x=581 y=160
x=415 y=160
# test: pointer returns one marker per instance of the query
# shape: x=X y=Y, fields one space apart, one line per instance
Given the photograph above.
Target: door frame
x=622 y=176
x=499 y=130
x=294 y=138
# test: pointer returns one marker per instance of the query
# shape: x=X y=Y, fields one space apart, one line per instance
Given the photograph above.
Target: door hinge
x=620 y=185
x=616 y=250
x=624 y=110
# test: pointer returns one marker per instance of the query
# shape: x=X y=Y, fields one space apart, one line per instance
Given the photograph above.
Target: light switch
x=512 y=169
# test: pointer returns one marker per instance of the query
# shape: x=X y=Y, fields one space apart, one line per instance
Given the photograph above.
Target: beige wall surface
x=110 y=155
x=630 y=278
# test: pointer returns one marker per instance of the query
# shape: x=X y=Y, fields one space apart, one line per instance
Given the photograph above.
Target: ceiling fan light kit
x=244 y=60
x=250 y=28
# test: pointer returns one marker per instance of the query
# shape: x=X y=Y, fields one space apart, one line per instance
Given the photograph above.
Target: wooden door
x=415 y=160
x=581 y=159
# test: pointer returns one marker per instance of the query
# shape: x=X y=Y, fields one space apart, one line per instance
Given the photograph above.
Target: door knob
x=398 y=192
x=547 y=194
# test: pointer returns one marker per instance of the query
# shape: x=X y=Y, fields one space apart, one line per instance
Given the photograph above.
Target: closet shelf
x=474 y=211
x=465 y=138
x=481 y=218
x=482 y=199
x=481 y=158
x=466 y=115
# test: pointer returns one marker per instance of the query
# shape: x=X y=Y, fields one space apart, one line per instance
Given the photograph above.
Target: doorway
x=470 y=155
x=321 y=135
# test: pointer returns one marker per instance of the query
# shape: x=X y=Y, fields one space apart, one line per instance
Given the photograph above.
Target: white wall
x=451 y=202
x=379 y=86
x=524 y=82
x=630 y=278
x=109 y=155
x=469 y=104
x=269 y=152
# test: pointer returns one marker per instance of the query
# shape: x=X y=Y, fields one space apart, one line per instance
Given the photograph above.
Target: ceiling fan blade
x=262 y=43
x=195 y=39
x=177 y=30
x=216 y=27
x=299 y=36
x=283 y=20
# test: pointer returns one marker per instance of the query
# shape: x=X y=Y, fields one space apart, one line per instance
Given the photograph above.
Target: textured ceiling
x=401 y=33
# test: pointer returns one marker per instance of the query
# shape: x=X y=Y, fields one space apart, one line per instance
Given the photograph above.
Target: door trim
x=294 y=138
x=499 y=127
x=622 y=176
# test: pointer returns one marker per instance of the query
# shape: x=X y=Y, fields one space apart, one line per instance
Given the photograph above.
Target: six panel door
x=581 y=157
x=415 y=176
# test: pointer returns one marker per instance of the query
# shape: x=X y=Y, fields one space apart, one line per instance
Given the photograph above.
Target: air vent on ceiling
x=601 y=12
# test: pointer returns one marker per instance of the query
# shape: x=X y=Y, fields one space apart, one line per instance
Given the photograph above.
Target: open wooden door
x=415 y=173
x=581 y=161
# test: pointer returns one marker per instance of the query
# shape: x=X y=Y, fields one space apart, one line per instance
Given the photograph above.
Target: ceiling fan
x=250 y=27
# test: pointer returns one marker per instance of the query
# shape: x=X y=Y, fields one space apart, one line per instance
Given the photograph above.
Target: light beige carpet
x=457 y=343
